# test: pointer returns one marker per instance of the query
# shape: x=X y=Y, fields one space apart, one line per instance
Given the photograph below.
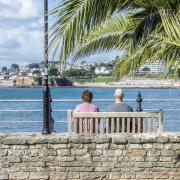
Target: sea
x=16 y=116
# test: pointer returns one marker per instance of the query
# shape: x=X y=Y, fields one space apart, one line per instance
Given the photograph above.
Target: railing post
x=51 y=118
x=160 y=121
x=139 y=101
x=70 y=121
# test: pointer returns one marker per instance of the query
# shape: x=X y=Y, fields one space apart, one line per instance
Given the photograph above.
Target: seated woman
x=86 y=106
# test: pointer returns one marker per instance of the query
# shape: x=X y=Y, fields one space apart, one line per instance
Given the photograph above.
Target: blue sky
x=21 y=33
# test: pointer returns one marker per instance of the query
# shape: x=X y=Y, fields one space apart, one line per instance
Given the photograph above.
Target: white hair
x=119 y=93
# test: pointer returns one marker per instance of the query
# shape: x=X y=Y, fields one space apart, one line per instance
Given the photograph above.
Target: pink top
x=86 y=107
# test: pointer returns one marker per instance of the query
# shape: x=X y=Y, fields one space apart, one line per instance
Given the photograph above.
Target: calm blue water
x=171 y=119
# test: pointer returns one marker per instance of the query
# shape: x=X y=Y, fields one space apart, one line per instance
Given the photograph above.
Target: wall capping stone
x=65 y=138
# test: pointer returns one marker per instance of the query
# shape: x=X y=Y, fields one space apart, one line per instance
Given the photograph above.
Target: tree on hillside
x=36 y=73
x=14 y=66
x=4 y=69
x=146 y=69
x=34 y=66
x=145 y=30
x=53 y=72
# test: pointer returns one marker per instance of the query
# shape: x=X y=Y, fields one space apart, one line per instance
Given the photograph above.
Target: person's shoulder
x=111 y=107
x=78 y=107
x=95 y=106
x=130 y=108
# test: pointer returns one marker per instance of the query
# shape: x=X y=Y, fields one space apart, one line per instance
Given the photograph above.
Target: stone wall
x=63 y=156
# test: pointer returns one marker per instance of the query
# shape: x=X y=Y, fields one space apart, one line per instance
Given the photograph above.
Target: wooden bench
x=115 y=122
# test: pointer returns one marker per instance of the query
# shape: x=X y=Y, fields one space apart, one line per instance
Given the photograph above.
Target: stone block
x=136 y=152
x=59 y=140
x=3 y=152
x=161 y=175
x=108 y=164
x=80 y=169
x=20 y=147
x=133 y=146
x=168 y=146
x=92 y=164
x=130 y=175
x=157 y=169
x=85 y=157
x=147 y=146
x=93 y=175
x=101 y=139
x=14 y=159
x=137 y=159
x=175 y=139
x=102 y=146
x=147 y=138
x=174 y=175
x=2 y=146
x=158 y=146
x=63 y=152
x=79 y=152
x=153 y=153
x=57 y=146
x=48 y=159
x=144 y=175
x=144 y=164
x=70 y=164
x=152 y=159
x=124 y=164
x=162 y=139
x=19 y=175
x=102 y=169
x=165 y=159
x=39 y=175
x=30 y=159
x=112 y=159
x=100 y=158
x=15 y=140
x=167 y=153
x=76 y=146
x=73 y=175
x=97 y=152
x=137 y=169
x=119 y=139
x=58 y=176
x=125 y=169
x=112 y=152
x=117 y=146
x=82 y=139
x=65 y=158
x=116 y=175
x=134 y=139
x=4 y=176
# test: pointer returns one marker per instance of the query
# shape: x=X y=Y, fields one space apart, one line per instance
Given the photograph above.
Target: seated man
x=119 y=106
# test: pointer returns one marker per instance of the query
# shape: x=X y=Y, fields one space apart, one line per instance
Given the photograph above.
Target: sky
x=21 y=33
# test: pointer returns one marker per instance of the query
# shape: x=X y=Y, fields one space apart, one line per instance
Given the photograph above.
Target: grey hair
x=119 y=93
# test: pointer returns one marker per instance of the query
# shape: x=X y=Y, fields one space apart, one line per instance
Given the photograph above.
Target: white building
x=155 y=67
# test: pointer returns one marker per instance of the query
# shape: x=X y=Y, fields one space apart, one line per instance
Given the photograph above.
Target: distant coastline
x=126 y=83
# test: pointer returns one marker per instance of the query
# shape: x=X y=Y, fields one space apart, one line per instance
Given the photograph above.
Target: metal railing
x=138 y=100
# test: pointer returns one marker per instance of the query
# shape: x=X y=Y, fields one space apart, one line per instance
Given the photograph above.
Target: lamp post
x=46 y=89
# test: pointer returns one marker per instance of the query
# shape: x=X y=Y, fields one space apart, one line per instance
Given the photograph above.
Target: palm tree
x=85 y=27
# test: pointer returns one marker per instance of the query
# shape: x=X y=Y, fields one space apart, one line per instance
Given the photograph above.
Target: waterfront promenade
x=125 y=83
